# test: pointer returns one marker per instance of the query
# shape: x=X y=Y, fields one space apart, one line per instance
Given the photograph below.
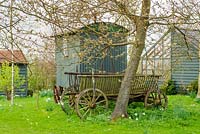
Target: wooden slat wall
x=22 y=90
x=110 y=84
x=184 y=58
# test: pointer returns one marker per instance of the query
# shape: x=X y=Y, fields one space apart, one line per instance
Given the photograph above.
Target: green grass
x=182 y=117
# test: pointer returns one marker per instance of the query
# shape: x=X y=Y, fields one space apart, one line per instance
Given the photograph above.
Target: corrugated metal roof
x=6 y=55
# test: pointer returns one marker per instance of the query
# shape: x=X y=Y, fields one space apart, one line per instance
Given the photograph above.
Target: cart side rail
x=110 y=83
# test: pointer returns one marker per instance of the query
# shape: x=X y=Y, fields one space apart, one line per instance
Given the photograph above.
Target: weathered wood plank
x=110 y=83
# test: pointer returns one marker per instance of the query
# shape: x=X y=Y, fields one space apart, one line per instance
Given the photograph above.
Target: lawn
x=181 y=117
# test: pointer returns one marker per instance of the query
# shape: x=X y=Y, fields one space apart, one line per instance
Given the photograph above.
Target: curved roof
x=96 y=27
x=107 y=26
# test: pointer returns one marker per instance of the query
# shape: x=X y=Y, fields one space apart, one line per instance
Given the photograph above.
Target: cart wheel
x=90 y=102
x=155 y=99
x=56 y=94
x=67 y=101
x=71 y=101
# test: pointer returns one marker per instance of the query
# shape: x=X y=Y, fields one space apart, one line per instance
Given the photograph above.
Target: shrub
x=169 y=88
x=192 y=94
x=30 y=93
x=6 y=79
x=46 y=93
x=197 y=100
x=193 y=86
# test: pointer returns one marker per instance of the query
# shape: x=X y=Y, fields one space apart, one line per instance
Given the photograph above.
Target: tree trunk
x=8 y=95
x=37 y=99
x=137 y=48
x=198 y=93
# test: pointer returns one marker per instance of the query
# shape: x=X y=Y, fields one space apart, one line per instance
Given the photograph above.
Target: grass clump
x=180 y=112
x=169 y=88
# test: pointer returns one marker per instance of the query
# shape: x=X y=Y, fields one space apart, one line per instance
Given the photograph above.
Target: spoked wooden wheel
x=71 y=101
x=56 y=94
x=67 y=101
x=155 y=99
x=91 y=102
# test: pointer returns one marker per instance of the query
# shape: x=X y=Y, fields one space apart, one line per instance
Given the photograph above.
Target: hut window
x=65 y=49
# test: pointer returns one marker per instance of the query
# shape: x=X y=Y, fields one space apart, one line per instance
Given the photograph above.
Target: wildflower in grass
x=123 y=115
x=61 y=103
x=143 y=113
x=48 y=99
x=1 y=107
x=136 y=114
x=161 y=109
x=136 y=118
x=20 y=105
x=192 y=105
x=129 y=117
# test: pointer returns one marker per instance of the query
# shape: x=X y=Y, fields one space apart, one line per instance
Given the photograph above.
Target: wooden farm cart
x=89 y=93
